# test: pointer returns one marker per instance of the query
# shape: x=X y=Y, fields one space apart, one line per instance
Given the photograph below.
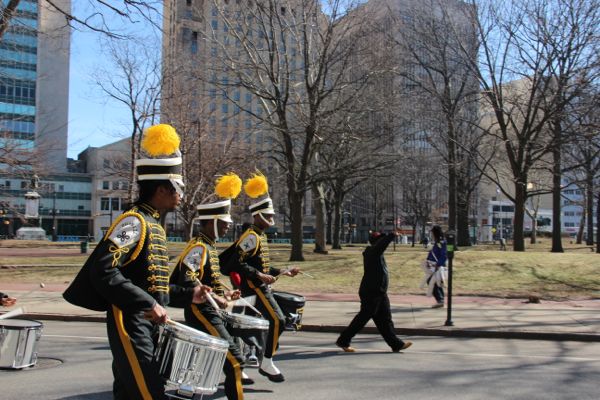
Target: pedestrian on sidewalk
x=374 y=301
x=7 y=301
x=435 y=267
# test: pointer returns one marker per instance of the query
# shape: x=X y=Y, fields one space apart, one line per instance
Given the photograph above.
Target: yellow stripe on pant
x=237 y=370
x=272 y=313
x=131 y=356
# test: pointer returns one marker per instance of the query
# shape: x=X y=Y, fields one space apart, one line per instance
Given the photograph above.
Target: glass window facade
x=18 y=64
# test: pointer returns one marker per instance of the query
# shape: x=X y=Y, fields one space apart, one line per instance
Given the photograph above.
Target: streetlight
x=54 y=212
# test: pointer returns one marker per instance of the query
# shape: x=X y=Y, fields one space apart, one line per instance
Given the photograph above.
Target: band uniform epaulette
x=127 y=231
x=248 y=242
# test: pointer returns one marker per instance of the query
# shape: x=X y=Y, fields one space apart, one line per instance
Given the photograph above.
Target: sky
x=94 y=119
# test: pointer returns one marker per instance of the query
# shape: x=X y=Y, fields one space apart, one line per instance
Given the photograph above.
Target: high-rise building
x=34 y=95
x=34 y=85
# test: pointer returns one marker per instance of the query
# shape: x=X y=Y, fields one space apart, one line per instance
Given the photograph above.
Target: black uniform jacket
x=375 y=278
x=129 y=267
x=199 y=262
x=250 y=256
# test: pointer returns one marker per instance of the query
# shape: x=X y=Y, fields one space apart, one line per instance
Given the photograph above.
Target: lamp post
x=450 y=241
x=54 y=227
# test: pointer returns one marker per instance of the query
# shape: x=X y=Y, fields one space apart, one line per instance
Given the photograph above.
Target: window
x=7 y=184
x=80 y=207
x=214 y=24
x=124 y=204
x=212 y=93
x=61 y=188
x=188 y=3
x=212 y=107
x=194 y=43
x=23 y=184
x=114 y=204
x=224 y=108
x=106 y=163
x=105 y=185
x=104 y=203
x=236 y=95
x=115 y=185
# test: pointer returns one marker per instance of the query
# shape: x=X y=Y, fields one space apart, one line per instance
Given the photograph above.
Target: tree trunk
x=414 y=233
x=579 y=239
x=451 y=180
x=337 y=221
x=597 y=224
x=329 y=224
x=556 y=190
x=296 y=205
x=462 y=221
x=319 y=204
x=518 y=237
x=589 y=197
x=534 y=229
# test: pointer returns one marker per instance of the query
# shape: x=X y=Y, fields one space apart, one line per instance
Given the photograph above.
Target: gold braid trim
x=140 y=244
x=117 y=252
x=193 y=275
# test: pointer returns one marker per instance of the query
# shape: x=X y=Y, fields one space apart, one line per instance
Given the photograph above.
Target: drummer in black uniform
x=251 y=261
x=127 y=275
x=199 y=264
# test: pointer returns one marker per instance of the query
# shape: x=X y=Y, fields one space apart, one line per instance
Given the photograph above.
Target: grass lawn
x=480 y=270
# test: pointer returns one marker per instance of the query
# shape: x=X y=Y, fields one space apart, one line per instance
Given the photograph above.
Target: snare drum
x=292 y=306
x=191 y=361
x=245 y=322
x=19 y=339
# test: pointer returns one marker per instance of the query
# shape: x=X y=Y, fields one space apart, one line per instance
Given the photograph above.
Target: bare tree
x=293 y=56
x=134 y=80
x=100 y=16
x=436 y=45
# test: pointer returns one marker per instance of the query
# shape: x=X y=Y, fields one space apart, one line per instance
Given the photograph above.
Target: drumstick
x=244 y=300
x=210 y=298
x=13 y=313
x=300 y=272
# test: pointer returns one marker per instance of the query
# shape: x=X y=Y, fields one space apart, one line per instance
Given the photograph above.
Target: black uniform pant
x=270 y=310
x=135 y=374
x=376 y=307
x=206 y=319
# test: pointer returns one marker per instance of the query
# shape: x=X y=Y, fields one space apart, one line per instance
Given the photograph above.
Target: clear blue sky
x=94 y=120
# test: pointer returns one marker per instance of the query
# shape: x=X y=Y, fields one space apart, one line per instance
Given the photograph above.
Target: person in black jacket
x=374 y=301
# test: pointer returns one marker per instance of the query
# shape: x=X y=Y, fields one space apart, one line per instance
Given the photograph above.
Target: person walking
x=435 y=267
x=374 y=301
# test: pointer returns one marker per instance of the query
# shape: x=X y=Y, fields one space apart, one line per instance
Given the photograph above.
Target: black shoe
x=247 y=381
x=273 y=378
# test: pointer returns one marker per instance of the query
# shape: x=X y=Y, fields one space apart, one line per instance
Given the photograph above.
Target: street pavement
x=483 y=317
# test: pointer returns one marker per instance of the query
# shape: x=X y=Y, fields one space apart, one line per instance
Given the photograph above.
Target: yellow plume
x=256 y=186
x=228 y=186
x=160 y=140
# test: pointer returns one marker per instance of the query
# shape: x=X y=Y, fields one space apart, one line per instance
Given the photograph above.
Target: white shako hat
x=263 y=206
x=228 y=187
x=217 y=210
x=160 y=158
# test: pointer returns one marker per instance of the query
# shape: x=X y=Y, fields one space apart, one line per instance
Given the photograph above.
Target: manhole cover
x=42 y=363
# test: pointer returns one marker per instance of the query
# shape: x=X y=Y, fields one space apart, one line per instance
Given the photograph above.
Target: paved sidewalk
x=471 y=316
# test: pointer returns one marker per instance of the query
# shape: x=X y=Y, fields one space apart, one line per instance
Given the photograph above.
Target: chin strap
x=216 y=231
x=265 y=221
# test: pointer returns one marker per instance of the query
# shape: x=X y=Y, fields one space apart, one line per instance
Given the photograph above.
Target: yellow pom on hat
x=228 y=186
x=160 y=140
x=256 y=186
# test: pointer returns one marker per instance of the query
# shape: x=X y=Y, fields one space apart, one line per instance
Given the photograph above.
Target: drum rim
x=244 y=317
x=39 y=324
x=196 y=336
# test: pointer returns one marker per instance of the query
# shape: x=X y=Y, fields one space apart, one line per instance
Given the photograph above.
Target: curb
x=450 y=332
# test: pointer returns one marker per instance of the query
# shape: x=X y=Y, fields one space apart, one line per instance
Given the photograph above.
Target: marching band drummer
x=127 y=275
x=199 y=264
x=251 y=260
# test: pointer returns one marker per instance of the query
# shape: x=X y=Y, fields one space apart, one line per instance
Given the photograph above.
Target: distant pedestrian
x=435 y=267
x=502 y=243
x=425 y=242
x=374 y=301
x=6 y=300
